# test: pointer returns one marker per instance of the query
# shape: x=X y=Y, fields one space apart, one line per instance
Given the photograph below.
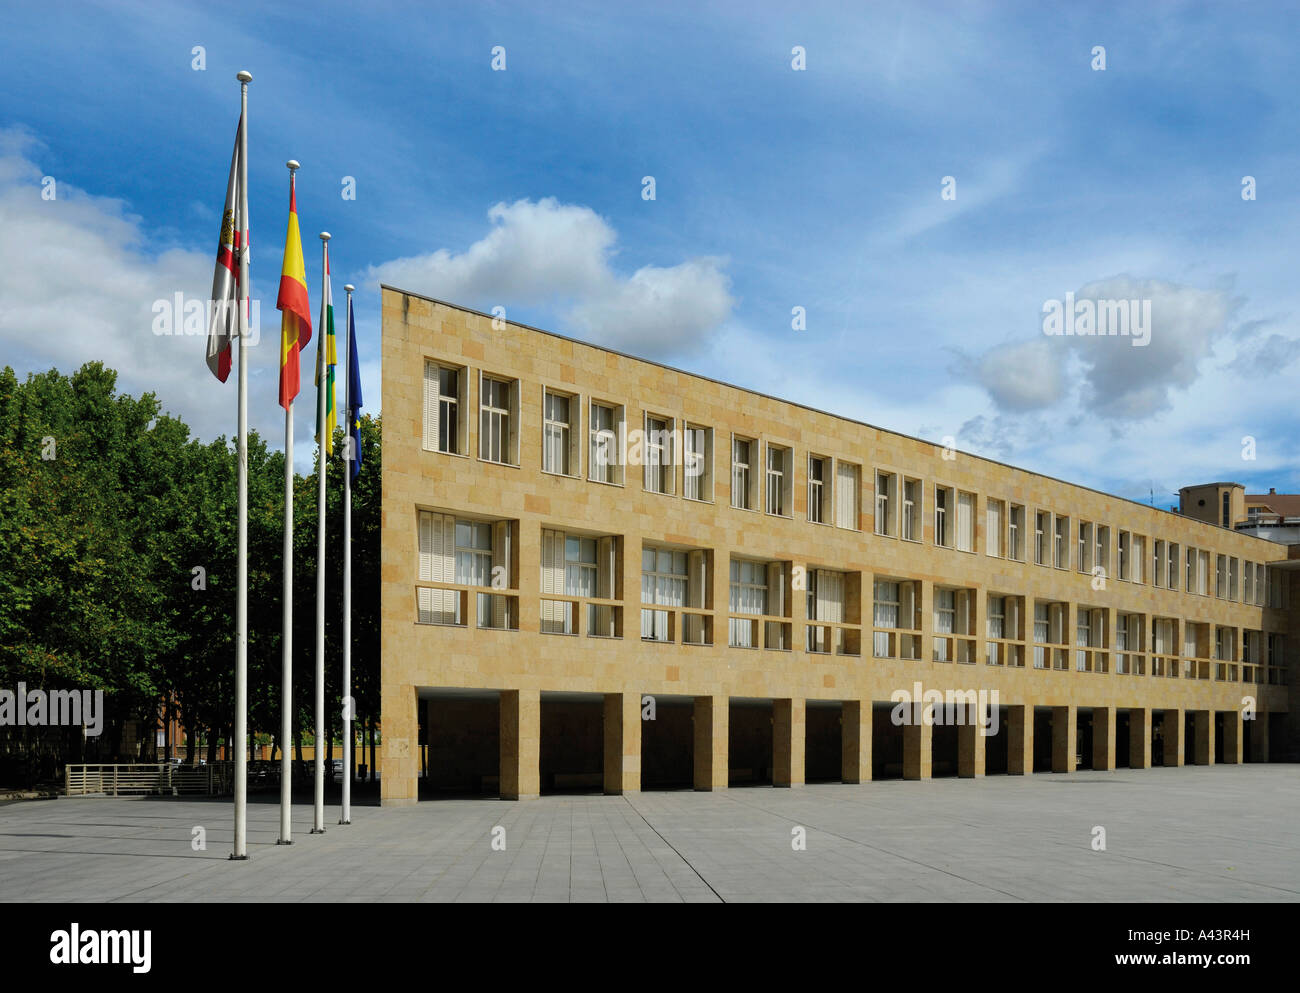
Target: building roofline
x=815 y=410
x=1198 y=486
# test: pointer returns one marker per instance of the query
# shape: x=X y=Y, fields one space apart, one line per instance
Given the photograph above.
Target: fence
x=168 y=778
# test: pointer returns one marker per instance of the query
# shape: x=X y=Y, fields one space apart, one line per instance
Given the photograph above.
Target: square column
x=918 y=740
x=1259 y=737
x=788 y=740
x=711 y=727
x=1203 y=737
x=1139 y=739
x=1103 y=738
x=1065 y=738
x=970 y=743
x=1232 y=742
x=1020 y=740
x=622 y=743
x=855 y=739
x=521 y=741
x=1171 y=730
x=399 y=786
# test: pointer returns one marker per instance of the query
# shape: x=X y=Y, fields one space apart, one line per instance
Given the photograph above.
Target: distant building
x=1272 y=516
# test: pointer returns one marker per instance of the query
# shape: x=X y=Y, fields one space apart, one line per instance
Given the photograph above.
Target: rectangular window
x=1061 y=544
x=1171 y=564
x=893 y=608
x=1234 y=566
x=1221 y=576
x=1158 y=563
x=605 y=455
x=965 y=522
x=1203 y=572
x=1016 y=533
x=498 y=419
x=1248 y=583
x=698 y=471
x=1121 y=632
x=559 y=433
x=664 y=581
x=847 y=479
x=911 y=523
x=465 y=553
x=945 y=511
x=994 y=511
x=1125 y=554
x=886 y=483
x=742 y=472
x=1084 y=552
x=660 y=457
x=1042 y=632
x=573 y=566
x=748 y=595
x=826 y=600
x=443 y=399
x=1139 y=558
x=819 y=489
x=1102 y=553
x=779 y=472
x=1042 y=526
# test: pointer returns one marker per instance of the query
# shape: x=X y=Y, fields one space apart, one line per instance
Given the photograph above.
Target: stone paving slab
x=1217 y=833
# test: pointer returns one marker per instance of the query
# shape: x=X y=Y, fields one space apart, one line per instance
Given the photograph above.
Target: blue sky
x=775 y=188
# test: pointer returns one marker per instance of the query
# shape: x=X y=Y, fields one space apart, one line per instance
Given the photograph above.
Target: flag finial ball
x=324 y=236
x=293 y=165
x=244 y=76
x=348 y=287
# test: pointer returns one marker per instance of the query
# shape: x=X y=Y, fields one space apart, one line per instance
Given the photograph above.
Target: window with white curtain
x=1203 y=572
x=1042 y=632
x=825 y=604
x=847 y=479
x=604 y=460
x=1139 y=558
x=994 y=523
x=966 y=522
x=698 y=470
x=1162 y=636
x=664 y=581
x=464 y=553
x=748 y=594
x=885 y=614
x=558 y=433
x=945 y=621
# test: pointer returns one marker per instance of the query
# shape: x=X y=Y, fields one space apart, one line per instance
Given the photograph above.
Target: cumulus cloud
x=1023 y=375
x=545 y=253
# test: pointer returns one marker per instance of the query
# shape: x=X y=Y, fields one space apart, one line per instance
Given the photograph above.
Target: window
x=1158 y=563
x=559 y=434
x=1139 y=557
x=886 y=483
x=1042 y=525
x=1162 y=636
x=1042 y=632
x=742 y=472
x=1084 y=553
x=1191 y=570
x=826 y=600
x=819 y=489
x=1121 y=632
x=698 y=470
x=659 y=456
x=1171 y=564
x=498 y=420
x=1189 y=641
x=1125 y=554
x=1234 y=567
x=1227 y=511
x=994 y=511
x=1061 y=546
x=1102 y=554
x=605 y=459
x=779 y=473
x=577 y=566
x=1248 y=583
x=894 y=607
x=911 y=524
x=1221 y=576
x=846 y=495
x=1015 y=533
x=748 y=595
x=464 y=553
x=965 y=522
x=664 y=581
x=944 y=516
x=997 y=625
x=443 y=398
x=1202 y=572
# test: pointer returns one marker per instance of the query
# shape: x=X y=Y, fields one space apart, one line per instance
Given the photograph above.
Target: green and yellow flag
x=331 y=360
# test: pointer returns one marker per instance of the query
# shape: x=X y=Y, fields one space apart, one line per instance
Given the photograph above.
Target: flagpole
x=351 y=458
x=286 y=638
x=241 y=582
x=321 y=386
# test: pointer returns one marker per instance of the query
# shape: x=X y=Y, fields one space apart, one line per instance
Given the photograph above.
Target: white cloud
x=545 y=253
x=1020 y=376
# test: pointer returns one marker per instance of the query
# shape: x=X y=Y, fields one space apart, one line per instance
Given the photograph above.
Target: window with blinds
x=910 y=518
x=965 y=522
x=443 y=401
x=847 y=478
x=463 y=553
x=748 y=594
x=826 y=605
x=1139 y=558
x=560 y=433
x=1016 y=533
x=995 y=524
x=605 y=454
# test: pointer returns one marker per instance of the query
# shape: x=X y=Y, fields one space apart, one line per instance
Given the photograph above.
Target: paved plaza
x=1188 y=834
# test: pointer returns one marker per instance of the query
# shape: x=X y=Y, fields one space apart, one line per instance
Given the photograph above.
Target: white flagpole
x=241 y=583
x=321 y=428
x=349 y=448
x=286 y=638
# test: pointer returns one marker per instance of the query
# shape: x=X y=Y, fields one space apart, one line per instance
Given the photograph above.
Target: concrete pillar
x=970 y=743
x=1139 y=739
x=789 y=733
x=521 y=741
x=711 y=728
x=1203 y=737
x=399 y=785
x=855 y=737
x=1259 y=737
x=918 y=739
x=1103 y=738
x=1171 y=730
x=1020 y=740
x=622 y=743
x=1232 y=742
x=1065 y=738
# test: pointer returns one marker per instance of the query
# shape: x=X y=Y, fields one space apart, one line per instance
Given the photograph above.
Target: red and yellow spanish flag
x=295 y=316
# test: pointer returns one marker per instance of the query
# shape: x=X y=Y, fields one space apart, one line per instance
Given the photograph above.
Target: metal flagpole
x=350 y=453
x=321 y=427
x=241 y=582
x=286 y=638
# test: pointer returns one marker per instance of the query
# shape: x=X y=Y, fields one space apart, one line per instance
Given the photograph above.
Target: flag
x=295 y=311
x=331 y=359
x=354 y=394
x=223 y=314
